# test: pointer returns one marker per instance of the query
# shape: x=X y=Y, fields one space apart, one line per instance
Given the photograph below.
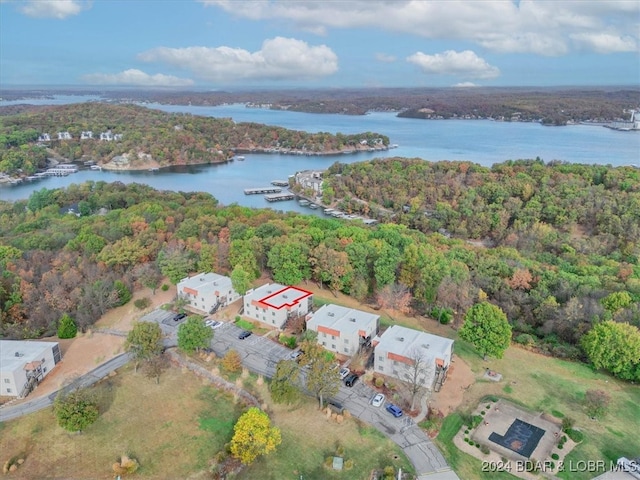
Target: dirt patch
x=82 y=354
x=459 y=380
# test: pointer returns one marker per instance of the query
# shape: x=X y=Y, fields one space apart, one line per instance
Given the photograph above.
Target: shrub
x=555 y=456
x=389 y=473
x=525 y=339
x=596 y=403
x=552 y=465
x=67 y=327
x=339 y=450
x=476 y=420
x=567 y=423
x=124 y=294
x=466 y=439
x=485 y=449
x=164 y=287
x=142 y=303
x=378 y=382
x=477 y=445
x=466 y=431
x=482 y=412
x=348 y=465
x=560 y=446
x=288 y=341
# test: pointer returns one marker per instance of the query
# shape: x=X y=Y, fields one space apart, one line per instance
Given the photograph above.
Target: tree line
x=52 y=264
x=169 y=138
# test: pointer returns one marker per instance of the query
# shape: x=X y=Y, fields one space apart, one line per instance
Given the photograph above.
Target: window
x=324 y=334
x=273 y=314
x=381 y=358
x=273 y=321
x=333 y=347
x=346 y=341
x=324 y=344
x=8 y=390
x=381 y=368
x=6 y=380
x=346 y=350
x=333 y=337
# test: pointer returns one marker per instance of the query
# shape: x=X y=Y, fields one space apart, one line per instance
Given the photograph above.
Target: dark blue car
x=394 y=410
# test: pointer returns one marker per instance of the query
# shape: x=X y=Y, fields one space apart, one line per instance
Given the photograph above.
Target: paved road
x=261 y=356
x=10 y=412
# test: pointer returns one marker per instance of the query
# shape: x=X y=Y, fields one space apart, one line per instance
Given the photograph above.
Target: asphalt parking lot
x=261 y=355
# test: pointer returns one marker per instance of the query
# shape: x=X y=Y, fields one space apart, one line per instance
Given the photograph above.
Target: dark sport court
x=521 y=437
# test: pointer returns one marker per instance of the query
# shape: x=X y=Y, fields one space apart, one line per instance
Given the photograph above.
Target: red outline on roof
x=297 y=300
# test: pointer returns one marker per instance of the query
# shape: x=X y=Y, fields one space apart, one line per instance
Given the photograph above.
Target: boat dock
x=280 y=183
x=279 y=197
x=256 y=191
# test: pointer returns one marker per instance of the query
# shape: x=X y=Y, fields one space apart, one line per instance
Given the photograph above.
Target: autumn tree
x=175 y=262
x=596 y=403
x=149 y=276
x=289 y=261
x=194 y=335
x=232 y=362
x=76 y=410
x=416 y=372
x=322 y=376
x=395 y=296
x=253 y=436
x=615 y=347
x=144 y=341
x=486 y=327
x=283 y=386
x=154 y=367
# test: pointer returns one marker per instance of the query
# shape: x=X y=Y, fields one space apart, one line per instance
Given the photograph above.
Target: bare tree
x=417 y=372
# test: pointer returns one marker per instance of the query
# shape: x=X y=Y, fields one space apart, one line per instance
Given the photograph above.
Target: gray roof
x=405 y=341
x=277 y=296
x=28 y=351
x=343 y=319
x=206 y=283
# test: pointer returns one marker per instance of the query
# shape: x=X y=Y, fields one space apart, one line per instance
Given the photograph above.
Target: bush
x=124 y=294
x=348 y=465
x=288 y=341
x=560 y=446
x=596 y=403
x=67 y=327
x=485 y=449
x=555 y=456
x=526 y=340
x=476 y=420
x=232 y=362
x=466 y=439
x=164 y=287
x=567 y=423
x=378 y=382
x=142 y=303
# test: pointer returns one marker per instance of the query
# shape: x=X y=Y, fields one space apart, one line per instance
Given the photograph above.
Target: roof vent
x=401 y=339
x=425 y=345
x=352 y=319
x=330 y=314
x=284 y=296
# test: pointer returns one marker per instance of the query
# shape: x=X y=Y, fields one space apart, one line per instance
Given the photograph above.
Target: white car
x=377 y=400
x=344 y=373
x=213 y=323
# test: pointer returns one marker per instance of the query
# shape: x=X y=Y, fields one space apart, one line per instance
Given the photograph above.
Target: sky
x=236 y=44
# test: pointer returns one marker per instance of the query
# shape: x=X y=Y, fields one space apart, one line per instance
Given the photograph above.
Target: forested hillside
x=169 y=138
x=552 y=284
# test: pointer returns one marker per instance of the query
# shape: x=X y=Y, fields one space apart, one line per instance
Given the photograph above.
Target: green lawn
x=558 y=387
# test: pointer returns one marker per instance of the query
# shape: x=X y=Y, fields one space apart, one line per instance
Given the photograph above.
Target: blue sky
x=223 y=44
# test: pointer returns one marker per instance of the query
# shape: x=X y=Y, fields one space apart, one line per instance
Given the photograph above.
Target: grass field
x=174 y=430
x=542 y=384
x=558 y=387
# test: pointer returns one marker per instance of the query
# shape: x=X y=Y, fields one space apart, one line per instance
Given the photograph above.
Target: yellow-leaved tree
x=254 y=436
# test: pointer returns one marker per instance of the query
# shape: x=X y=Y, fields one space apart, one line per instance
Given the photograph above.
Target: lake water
x=480 y=141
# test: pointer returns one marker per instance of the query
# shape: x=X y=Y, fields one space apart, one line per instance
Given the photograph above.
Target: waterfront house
x=205 y=293
x=24 y=364
x=408 y=354
x=45 y=137
x=86 y=135
x=343 y=330
x=106 y=136
x=64 y=136
x=273 y=304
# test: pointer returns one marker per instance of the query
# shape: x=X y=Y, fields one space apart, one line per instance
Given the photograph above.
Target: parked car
x=296 y=354
x=394 y=410
x=179 y=316
x=244 y=334
x=212 y=323
x=377 y=400
x=351 y=380
x=344 y=373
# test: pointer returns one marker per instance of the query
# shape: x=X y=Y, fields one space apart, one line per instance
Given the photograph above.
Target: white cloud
x=59 y=9
x=606 y=43
x=278 y=59
x=465 y=85
x=137 y=78
x=384 y=58
x=541 y=27
x=461 y=64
